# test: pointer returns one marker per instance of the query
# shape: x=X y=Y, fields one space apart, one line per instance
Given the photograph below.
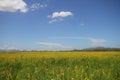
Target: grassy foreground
x=59 y=65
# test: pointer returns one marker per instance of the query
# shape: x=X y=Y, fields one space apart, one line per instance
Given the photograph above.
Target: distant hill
x=7 y=50
x=99 y=49
x=86 y=49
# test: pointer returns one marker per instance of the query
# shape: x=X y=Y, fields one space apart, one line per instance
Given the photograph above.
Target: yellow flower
x=91 y=75
x=83 y=70
x=72 y=79
x=28 y=76
x=86 y=79
x=53 y=72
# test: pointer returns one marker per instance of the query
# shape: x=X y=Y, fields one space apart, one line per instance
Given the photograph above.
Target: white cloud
x=94 y=41
x=37 y=6
x=6 y=47
x=82 y=24
x=54 y=46
x=61 y=14
x=13 y=6
x=97 y=42
x=58 y=16
x=52 y=21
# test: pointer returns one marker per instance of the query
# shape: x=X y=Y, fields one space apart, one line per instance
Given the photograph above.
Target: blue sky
x=59 y=25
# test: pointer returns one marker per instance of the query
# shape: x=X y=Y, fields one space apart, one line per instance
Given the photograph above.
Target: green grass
x=66 y=68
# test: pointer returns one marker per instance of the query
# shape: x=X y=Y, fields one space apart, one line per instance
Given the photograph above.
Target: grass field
x=59 y=65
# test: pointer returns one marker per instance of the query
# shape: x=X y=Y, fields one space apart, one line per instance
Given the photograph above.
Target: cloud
x=52 y=21
x=58 y=16
x=94 y=41
x=61 y=14
x=13 y=6
x=37 y=6
x=54 y=46
x=82 y=24
x=55 y=20
x=97 y=42
x=6 y=47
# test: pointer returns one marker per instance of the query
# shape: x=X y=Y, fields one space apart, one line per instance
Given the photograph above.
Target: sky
x=59 y=24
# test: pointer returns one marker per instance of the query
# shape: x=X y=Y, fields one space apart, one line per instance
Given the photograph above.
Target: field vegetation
x=60 y=65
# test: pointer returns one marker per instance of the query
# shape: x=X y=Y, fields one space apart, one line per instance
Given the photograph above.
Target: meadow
x=60 y=65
